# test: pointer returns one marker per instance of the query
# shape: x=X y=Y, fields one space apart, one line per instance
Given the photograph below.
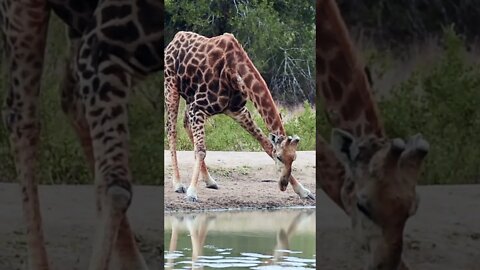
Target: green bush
x=268 y=30
x=443 y=103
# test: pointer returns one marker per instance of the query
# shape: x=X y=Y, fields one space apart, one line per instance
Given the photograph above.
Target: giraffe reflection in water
x=251 y=242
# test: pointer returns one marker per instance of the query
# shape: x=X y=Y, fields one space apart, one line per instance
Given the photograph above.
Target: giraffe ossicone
x=215 y=75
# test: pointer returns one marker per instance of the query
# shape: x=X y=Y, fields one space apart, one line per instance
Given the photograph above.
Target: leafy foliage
x=278 y=36
x=399 y=23
x=443 y=102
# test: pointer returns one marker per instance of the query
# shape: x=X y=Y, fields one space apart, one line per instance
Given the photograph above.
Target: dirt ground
x=443 y=235
x=245 y=179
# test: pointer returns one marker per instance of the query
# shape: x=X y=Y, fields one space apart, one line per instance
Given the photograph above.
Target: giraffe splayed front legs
x=215 y=75
x=281 y=149
x=107 y=53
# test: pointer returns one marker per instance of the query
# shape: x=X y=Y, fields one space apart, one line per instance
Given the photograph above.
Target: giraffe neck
x=330 y=172
x=252 y=83
x=341 y=77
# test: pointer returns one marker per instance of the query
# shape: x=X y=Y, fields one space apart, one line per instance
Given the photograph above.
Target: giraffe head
x=379 y=192
x=284 y=153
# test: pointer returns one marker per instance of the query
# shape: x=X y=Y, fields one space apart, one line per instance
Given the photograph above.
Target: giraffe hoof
x=192 y=198
x=213 y=186
x=180 y=189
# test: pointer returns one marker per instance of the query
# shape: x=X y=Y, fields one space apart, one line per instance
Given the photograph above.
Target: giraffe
x=371 y=177
x=112 y=45
x=215 y=75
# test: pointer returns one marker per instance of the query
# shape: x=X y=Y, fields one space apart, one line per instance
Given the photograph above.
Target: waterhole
x=280 y=239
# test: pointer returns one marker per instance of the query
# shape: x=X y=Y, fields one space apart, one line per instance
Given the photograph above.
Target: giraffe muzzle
x=283 y=183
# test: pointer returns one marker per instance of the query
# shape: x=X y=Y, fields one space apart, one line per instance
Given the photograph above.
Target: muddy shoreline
x=444 y=235
x=246 y=180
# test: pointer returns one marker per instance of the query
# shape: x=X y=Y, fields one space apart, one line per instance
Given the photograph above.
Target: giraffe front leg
x=207 y=178
x=204 y=174
x=197 y=123
x=192 y=225
x=300 y=189
x=244 y=118
x=24 y=55
x=105 y=94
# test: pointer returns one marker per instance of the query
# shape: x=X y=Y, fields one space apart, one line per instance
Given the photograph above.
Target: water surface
x=280 y=239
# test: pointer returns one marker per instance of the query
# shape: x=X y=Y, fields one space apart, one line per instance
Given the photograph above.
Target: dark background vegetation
x=398 y=23
x=424 y=60
x=423 y=56
x=279 y=37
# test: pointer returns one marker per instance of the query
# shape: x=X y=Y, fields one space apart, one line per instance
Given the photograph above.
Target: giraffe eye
x=364 y=211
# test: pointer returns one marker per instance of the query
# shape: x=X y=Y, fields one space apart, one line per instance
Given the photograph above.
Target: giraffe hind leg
x=204 y=174
x=24 y=54
x=172 y=100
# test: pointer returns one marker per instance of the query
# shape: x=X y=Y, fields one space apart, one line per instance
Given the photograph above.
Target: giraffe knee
x=10 y=117
x=16 y=123
x=201 y=154
x=119 y=193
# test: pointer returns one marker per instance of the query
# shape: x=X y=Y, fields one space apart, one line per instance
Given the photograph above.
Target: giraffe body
x=372 y=178
x=112 y=43
x=215 y=75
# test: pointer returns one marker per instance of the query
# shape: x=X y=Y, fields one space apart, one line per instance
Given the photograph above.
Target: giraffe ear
x=273 y=138
x=344 y=145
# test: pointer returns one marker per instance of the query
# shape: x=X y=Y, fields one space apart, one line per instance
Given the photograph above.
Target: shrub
x=443 y=103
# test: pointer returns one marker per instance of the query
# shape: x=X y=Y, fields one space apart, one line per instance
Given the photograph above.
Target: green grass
x=223 y=133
